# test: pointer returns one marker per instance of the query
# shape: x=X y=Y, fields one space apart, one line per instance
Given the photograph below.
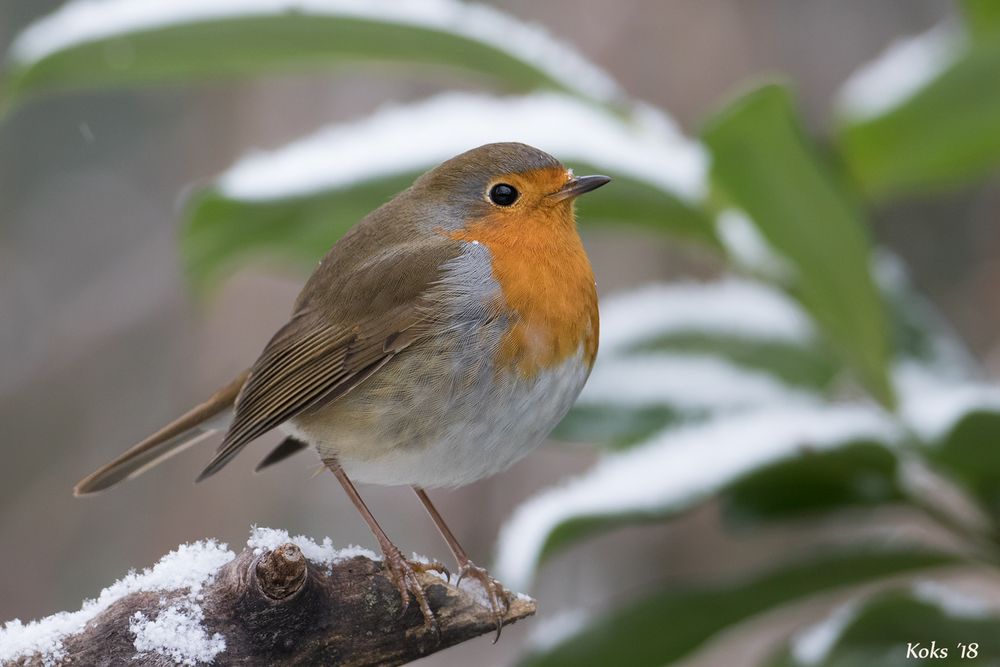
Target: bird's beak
x=579 y=185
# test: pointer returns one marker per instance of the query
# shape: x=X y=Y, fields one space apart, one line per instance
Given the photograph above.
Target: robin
x=439 y=341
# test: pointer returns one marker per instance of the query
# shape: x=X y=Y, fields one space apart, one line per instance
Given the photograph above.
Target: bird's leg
x=401 y=571
x=495 y=593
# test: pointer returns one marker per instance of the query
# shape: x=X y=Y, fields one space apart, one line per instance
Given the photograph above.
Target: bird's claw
x=403 y=574
x=497 y=595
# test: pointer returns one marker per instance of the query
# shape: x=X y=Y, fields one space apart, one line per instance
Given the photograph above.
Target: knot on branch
x=282 y=572
x=276 y=607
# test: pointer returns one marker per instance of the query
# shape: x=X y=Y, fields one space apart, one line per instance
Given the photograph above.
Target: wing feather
x=342 y=332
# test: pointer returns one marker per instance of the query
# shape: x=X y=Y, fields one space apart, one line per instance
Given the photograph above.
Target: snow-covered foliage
x=952 y=601
x=904 y=68
x=646 y=147
x=750 y=419
x=679 y=468
x=83 y=21
x=812 y=645
x=749 y=250
x=687 y=382
x=731 y=306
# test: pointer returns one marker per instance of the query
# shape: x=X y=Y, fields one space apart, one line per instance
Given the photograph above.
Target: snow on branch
x=281 y=601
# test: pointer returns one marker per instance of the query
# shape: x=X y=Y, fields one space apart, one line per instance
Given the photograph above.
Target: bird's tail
x=189 y=429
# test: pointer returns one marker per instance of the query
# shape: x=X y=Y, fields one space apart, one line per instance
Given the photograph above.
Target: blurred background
x=103 y=340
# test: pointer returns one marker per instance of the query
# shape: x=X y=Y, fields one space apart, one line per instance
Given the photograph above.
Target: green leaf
x=862 y=474
x=633 y=202
x=738 y=331
x=200 y=47
x=224 y=231
x=763 y=162
x=970 y=452
x=919 y=332
x=945 y=135
x=878 y=634
x=858 y=473
x=616 y=426
x=765 y=464
x=664 y=628
x=983 y=18
x=805 y=364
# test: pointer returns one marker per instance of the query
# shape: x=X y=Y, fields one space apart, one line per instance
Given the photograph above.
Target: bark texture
x=278 y=608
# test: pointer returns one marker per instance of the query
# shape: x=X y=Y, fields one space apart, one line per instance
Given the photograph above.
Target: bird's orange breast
x=547 y=286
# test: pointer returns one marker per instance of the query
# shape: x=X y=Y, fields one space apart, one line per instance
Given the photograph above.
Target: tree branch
x=279 y=608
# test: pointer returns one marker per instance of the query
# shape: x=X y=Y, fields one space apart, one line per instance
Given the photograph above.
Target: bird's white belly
x=477 y=433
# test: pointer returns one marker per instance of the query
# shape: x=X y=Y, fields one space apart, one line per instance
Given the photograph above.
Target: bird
x=438 y=341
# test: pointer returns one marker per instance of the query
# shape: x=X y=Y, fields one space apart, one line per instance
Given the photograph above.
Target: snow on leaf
x=812 y=645
x=932 y=405
x=689 y=382
x=765 y=423
x=897 y=74
x=731 y=306
x=85 y=21
x=951 y=601
x=416 y=137
x=748 y=248
x=553 y=630
x=678 y=469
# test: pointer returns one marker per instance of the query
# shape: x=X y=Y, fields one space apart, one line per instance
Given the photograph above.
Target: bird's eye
x=502 y=194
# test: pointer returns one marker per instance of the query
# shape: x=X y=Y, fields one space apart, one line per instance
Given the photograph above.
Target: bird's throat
x=547 y=286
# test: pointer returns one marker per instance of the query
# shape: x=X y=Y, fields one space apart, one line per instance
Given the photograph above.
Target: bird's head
x=512 y=185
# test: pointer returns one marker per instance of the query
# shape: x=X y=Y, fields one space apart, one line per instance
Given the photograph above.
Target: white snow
x=413 y=138
x=679 y=468
x=268 y=539
x=82 y=21
x=749 y=249
x=688 y=382
x=731 y=307
x=932 y=404
x=951 y=601
x=686 y=464
x=190 y=566
x=813 y=645
x=550 y=631
x=177 y=633
x=176 y=630
x=900 y=72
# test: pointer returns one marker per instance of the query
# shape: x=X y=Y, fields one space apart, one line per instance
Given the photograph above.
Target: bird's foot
x=496 y=594
x=403 y=574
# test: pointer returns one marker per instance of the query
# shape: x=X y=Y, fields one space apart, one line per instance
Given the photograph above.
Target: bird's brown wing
x=331 y=345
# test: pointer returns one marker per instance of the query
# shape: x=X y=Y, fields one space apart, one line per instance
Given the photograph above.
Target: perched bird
x=438 y=342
